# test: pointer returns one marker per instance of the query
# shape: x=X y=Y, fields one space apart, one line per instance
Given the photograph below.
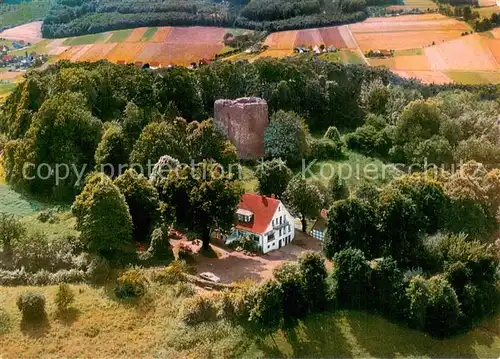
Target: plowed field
x=338 y=36
x=469 y=53
x=406 y=32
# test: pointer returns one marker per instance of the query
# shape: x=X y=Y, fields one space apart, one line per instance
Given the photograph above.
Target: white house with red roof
x=265 y=220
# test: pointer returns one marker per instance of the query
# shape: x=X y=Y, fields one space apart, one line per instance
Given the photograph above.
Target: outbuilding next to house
x=265 y=220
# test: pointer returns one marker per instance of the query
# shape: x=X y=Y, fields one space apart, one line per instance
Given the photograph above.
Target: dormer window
x=244 y=216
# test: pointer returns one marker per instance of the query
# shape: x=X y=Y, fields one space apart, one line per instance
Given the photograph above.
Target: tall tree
x=273 y=177
x=286 y=137
x=143 y=202
x=11 y=230
x=303 y=198
x=103 y=218
x=204 y=197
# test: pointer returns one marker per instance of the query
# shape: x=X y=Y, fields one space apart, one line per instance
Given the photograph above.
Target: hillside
x=101 y=326
x=71 y=18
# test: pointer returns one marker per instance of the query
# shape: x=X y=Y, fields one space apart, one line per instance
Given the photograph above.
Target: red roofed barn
x=265 y=220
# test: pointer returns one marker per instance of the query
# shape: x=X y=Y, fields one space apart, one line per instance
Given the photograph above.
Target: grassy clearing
x=14 y=203
x=409 y=52
x=486 y=12
x=355 y=169
x=119 y=36
x=332 y=57
x=250 y=182
x=149 y=34
x=101 y=326
x=351 y=57
x=421 y=4
x=470 y=78
x=85 y=39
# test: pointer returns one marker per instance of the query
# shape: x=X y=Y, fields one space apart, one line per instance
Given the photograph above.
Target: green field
x=356 y=169
x=409 y=52
x=119 y=36
x=149 y=34
x=474 y=78
x=86 y=39
x=19 y=13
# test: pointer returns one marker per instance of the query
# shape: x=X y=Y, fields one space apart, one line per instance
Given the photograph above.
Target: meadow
x=99 y=325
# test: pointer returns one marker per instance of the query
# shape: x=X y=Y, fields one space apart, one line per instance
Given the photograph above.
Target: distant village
x=19 y=62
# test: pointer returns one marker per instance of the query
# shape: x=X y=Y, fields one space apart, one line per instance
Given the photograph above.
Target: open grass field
x=414 y=4
x=14 y=13
x=427 y=77
x=474 y=78
x=100 y=326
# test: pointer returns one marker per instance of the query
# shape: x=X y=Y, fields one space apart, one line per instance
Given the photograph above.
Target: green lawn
x=351 y=57
x=39 y=48
x=14 y=203
x=149 y=34
x=361 y=335
x=355 y=169
x=86 y=39
x=119 y=36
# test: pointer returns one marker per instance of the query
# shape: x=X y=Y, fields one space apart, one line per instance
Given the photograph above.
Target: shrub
x=267 y=312
x=313 y=276
x=351 y=275
x=32 y=306
x=388 y=289
x=332 y=133
x=159 y=245
x=325 y=149
x=5 y=322
x=294 y=302
x=225 y=306
x=68 y=276
x=243 y=298
x=183 y=289
x=64 y=297
x=42 y=277
x=247 y=244
x=174 y=273
x=131 y=284
x=198 y=310
x=15 y=277
x=98 y=271
x=273 y=177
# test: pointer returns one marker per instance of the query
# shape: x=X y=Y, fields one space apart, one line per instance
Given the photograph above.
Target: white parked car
x=210 y=276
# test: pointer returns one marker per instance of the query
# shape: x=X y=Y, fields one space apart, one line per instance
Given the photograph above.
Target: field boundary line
x=357 y=46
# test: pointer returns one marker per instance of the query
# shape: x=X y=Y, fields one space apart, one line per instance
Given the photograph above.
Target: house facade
x=265 y=220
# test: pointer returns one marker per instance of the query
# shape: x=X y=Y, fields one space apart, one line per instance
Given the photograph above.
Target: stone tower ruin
x=243 y=121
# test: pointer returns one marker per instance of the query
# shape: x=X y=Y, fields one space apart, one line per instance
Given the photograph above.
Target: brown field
x=97 y=52
x=469 y=53
x=338 y=36
x=486 y=3
x=403 y=40
x=406 y=32
x=136 y=34
x=284 y=40
x=31 y=32
x=125 y=52
x=161 y=34
x=196 y=35
x=56 y=48
x=168 y=46
x=494 y=46
x=12 y=75
x=411 y=63
x=427 y=77
x=275 y=53
x=496 y=33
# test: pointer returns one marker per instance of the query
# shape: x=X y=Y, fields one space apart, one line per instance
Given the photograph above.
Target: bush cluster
x=131 y=284
x=32 y=307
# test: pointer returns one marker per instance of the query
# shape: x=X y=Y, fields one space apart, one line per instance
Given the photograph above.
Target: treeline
x=325 y=94
x=77 y=17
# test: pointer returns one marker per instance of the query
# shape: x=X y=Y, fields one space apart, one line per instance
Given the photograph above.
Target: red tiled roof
x=263 y=209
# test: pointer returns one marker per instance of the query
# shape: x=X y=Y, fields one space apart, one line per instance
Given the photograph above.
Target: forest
x=79 y=17
x=418 y=249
